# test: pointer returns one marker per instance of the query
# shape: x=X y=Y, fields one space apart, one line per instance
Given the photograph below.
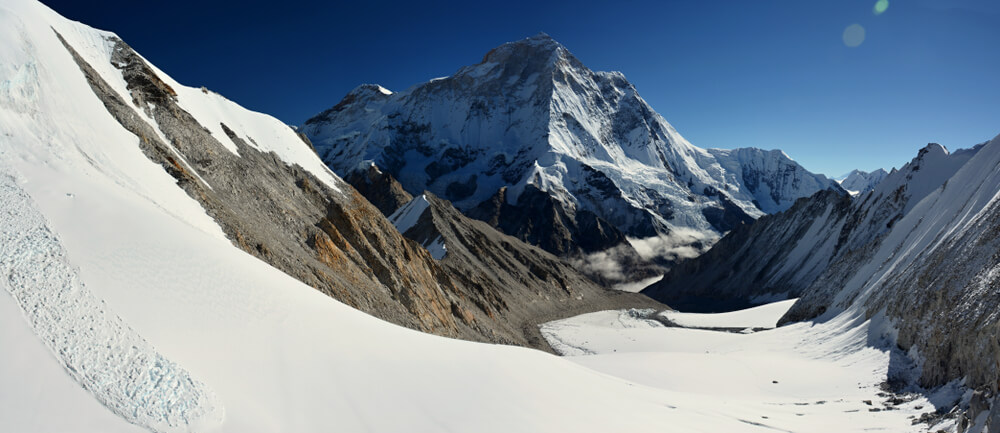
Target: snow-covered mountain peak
x=932 y=166
x=530 y=113
x=930 y=154
x=932 y=149
x=540 y=47
x=526 y=67
x=358 y=97
x=541 y=38
x=370 y=89
x=859 y=182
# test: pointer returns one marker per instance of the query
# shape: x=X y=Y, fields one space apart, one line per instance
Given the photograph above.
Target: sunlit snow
x=246 y=348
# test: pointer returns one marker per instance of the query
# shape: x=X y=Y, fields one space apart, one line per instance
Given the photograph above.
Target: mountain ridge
x=781 y=255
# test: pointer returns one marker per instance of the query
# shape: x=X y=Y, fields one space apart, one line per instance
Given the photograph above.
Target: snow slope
x=129 y=259
x=407 y=216
x=96 y=346
x=934 y=273
x=279 y=355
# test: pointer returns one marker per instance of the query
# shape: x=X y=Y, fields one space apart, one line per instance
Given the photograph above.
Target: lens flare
x=854 y=35
x=881 y=6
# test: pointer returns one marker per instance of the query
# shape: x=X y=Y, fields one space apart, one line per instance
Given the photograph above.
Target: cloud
x=681 y=243
x=607 y=263
x=614 y=264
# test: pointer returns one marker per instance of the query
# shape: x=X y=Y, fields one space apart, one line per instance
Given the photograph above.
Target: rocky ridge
x=510 y=279
x=314 y=227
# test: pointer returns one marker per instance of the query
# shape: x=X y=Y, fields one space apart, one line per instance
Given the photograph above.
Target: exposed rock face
x=333 y=240
x=509 y=284
x=982 y=414
x=380 y=188
x=531 y=120
x=328 y=235
x=781 y=255
x=537 y=218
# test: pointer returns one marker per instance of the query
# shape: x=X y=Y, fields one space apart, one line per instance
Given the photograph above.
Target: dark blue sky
x=764 y=73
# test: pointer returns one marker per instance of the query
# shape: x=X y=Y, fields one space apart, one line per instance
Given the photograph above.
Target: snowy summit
x=531 y=117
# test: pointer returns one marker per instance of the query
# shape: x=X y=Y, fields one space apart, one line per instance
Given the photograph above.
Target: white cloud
x=681 y=243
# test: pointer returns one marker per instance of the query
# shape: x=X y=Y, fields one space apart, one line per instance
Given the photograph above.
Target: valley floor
x=825 y=377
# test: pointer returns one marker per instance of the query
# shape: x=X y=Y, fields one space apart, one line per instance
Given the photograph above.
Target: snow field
x=763 y=316
x=799 y=378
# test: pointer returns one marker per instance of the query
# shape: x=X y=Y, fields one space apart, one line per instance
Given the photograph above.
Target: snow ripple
x=98 y=349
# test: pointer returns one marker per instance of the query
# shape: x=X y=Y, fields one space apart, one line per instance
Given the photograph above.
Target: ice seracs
x=95 y=346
